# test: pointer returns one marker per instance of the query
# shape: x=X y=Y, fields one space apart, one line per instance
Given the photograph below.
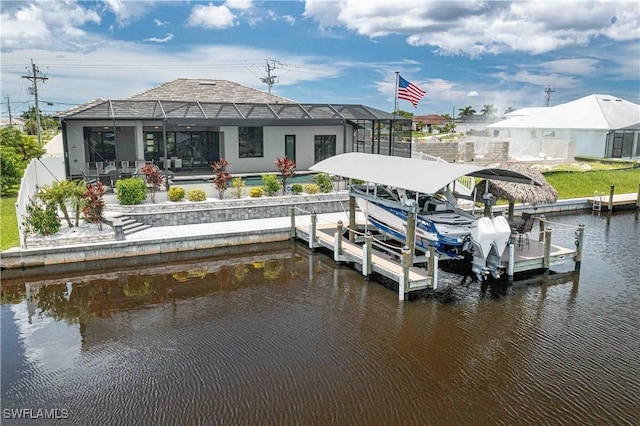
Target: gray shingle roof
x=202 y=90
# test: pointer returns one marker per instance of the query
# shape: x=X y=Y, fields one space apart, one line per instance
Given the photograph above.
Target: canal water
x=284 y=336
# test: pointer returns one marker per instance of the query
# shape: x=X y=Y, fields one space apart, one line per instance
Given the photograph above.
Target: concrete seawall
x=206 y=236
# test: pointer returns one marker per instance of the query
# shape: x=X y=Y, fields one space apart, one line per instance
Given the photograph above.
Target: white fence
x=39 y=172
x=464 y=184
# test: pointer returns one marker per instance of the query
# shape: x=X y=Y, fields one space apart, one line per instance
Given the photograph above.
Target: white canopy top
x=426 y=177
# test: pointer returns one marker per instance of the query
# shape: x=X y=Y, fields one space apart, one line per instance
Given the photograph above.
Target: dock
x=374 y=255
x=602 y=202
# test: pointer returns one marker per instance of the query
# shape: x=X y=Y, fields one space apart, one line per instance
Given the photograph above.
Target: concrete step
x=134 y=227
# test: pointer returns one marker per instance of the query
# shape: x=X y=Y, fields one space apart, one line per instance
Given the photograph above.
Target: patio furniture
x=522 y=232
x=177 y=163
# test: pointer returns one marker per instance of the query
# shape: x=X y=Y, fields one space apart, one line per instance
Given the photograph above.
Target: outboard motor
x=502 y=235
x=482 y=236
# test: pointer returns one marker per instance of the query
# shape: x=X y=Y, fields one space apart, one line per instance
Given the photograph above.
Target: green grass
x=8 y=223
x=583 y=184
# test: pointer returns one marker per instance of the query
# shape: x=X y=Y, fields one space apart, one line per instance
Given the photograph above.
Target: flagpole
x=395 y=109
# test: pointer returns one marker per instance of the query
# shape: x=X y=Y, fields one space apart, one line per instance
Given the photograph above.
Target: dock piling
x=366 y=255
x=337 y=253
x=512 y=261
x=611 y=193
x=403 y=283
x=312 y=230
x=292 y=214
x=541 y=232
x=547 y=251
x=579 y=244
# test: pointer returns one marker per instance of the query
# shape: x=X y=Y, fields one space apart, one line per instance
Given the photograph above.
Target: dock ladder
x=597 y=201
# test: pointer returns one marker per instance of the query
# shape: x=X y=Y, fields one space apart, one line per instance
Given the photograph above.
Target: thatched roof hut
x=514 y=192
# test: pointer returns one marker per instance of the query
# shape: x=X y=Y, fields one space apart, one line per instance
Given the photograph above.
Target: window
x=100 y=144
x=324 y=147
x=548 y=134
x=290 y=147
x=250 y=143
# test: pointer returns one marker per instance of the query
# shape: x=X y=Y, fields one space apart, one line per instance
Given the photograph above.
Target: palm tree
x=488 y=111
x=467 y=111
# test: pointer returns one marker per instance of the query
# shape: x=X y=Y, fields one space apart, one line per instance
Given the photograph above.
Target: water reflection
x=282 y=335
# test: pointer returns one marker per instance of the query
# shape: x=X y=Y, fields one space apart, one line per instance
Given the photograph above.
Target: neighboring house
x=623 y=143
x=588 y=121
x=429 y=121
x=188 y=124
x=15 y=122
x=474 y=124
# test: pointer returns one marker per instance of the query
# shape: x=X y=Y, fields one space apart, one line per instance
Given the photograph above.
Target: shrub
x=131 y=191
x=296 y=188
x=255 y=192
x=324 y=182
x=270 y=184
x=238 y=186
x=154 y=179
x=286 y=168
x=311 y=188
x=93 y=203
x=176 y=194
x=41 y=219
x=196 y=195
x=220 y=176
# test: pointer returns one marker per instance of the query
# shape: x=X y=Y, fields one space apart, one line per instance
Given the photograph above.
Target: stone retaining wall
x=189 y=213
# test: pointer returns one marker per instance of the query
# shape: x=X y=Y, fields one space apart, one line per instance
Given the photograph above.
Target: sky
x=462 y=53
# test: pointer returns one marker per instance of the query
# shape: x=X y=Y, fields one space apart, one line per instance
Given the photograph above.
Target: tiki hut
x=513 y=192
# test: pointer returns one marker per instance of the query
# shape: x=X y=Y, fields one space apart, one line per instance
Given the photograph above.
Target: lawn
x=583 y=184
x=8 y=224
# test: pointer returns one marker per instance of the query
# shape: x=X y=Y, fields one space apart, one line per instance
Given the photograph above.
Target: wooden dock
x=396 y=264
x=381 y=263
x=531 y=257
x=605 y=202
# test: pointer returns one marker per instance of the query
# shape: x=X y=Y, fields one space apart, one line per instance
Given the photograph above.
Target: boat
x=396 y=191
x=439 y=223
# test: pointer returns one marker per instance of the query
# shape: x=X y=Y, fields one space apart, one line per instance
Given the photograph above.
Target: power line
x=548 y=91
x=34 y=80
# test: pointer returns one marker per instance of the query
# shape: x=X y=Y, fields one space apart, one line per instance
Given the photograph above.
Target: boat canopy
x=427 y=177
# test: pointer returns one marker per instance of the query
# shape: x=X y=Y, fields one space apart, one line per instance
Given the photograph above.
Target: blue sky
x=461 y=53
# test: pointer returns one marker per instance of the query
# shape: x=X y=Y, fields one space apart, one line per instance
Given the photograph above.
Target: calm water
x=282 y=336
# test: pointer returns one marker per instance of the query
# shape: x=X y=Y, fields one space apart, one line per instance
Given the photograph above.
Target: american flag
x=409 y=91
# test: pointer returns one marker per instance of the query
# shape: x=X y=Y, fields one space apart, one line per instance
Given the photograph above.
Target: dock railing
x=388 y=251
x=544 y=236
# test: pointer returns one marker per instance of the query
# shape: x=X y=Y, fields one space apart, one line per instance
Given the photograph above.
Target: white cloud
x=160 y=23
x=127 y=11
x=116 y=70
x=472 y=94
x=575 y=66
x=169 y=37
x=216 y=17
x=479 y=28
x=47 y=24
x=289 y=19
x=239 y=4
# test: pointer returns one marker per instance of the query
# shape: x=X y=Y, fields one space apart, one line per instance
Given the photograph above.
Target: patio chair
x=523 y=231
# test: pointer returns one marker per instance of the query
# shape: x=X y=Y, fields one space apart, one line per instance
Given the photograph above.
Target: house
x=474 y=124
x=599 y=125
x=13 y=122
x=429 y=121
x=187 y=124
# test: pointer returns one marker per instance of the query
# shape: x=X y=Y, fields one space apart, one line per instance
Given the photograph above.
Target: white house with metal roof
x=186 y=124
x=589 y=121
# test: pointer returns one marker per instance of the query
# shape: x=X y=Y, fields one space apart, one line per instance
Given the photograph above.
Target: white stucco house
x=185 y=125
x=589 y=121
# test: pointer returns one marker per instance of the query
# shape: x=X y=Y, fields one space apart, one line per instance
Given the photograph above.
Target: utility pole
x=270 y=80
x=33 y=78
x=548 y=91
x=9 y=109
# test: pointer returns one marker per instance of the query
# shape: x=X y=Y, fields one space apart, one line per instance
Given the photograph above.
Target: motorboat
x=393 y=188
x=439 y=223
